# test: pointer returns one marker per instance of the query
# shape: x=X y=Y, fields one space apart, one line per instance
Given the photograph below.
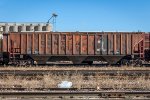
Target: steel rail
x=77 y=65
x=69 y=89
x=68 y=92
x=42 y=72
x=72 y=94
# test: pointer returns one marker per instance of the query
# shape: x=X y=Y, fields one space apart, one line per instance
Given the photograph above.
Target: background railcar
x=78 y=47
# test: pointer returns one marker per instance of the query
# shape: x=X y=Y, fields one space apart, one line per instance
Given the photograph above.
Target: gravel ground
x=72 y=68
x=78 y=81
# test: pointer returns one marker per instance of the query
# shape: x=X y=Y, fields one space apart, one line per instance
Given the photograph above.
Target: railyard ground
x=98 y=82
x=79 y=81
x=84 y=67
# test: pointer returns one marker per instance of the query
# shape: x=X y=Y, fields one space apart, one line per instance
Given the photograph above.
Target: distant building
x=25 y=27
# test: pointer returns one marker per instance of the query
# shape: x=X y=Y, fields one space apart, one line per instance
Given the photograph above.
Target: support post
x=73 y=40
x=20 y=44
x=45 y=43
x=107 y=44
x=27 y=42
x=65 y=44
x=39 y=43
x=114 y=43
x=87 y=43
x=51 y=43
x=127 y=43
x=8 y=45
x=120 y=44
x=33 y=43
x=81 y=44
x=95 y=44
x=58 y=44
x=131 y=44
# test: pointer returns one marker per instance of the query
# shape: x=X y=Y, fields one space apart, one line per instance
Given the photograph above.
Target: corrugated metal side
x=111 y=43
x=84 y=44
x=5 y=40
x=136 y=39
x=0 y=45
x=91 y=44
x=69 y=45
x=55 y=43
x=23 y=43
x=29 y=44
x=80 y=43
x=118 y=44
x=15 y=43
x=147 y=41
x=49 y=43
x=62 y=43
x=42 y=47
x=36 y=44
x=76 y=44
x=128 y=40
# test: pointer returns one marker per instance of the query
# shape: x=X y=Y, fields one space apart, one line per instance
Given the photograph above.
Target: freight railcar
x=77 y=47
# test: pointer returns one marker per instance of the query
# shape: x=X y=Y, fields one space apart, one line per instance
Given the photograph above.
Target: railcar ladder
x=13 y=52
x=141 y=49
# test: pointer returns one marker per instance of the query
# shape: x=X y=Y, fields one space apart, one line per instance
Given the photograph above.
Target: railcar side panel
x=99 y=44
x=1 y=46
x=118 y=44
x=136 y=39
x=147 y=41
x=36 y=44
x=5 y=43
x=104 y=46
x=123 y=43
x=62 y=44
x=49 y=43
x=91 y=45
x=23 y=43
x=84 y=45
x=129 y=40
x=15 y=43
x=43 y=44
x=69 y=46
x=29 y=44
x=110 y=44
x=39 y=46
x=76 y=44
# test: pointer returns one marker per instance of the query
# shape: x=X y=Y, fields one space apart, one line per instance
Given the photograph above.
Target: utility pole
x=53 y=17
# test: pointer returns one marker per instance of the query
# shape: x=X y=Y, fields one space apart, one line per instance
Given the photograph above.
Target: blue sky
x=81 y=15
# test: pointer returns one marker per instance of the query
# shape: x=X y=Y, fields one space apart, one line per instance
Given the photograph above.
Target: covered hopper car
x=75 y=47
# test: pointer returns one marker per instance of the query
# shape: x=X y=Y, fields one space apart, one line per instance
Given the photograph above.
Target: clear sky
x=81 y=15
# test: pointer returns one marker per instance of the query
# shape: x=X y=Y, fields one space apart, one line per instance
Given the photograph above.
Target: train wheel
x=5 y=61
x=137 y=63
x=22 y=63
x=88 y=62
x=125 y=62
x=29 y=62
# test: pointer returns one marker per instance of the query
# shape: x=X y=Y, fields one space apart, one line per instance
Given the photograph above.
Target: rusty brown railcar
x=77 y=47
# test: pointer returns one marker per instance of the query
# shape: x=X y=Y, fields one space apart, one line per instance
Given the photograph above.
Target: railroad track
x=19 y=88
x=76 y=95
x=78 y=65
x=42 y=72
